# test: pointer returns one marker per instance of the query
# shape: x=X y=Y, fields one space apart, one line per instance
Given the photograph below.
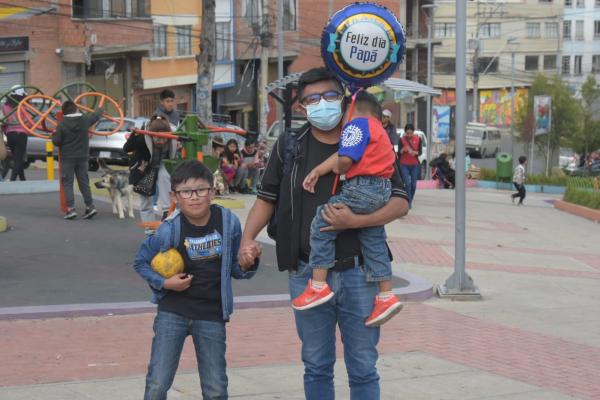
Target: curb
x=580 y=211
x=28 y=187
x=3 y=224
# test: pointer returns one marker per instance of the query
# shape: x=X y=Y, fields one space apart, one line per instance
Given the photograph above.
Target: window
x=580 y=3
x=596 y=29
x=491 y=63
x=597 y=3
x=444 y=65
x=289 y=15
x=223 y=30
x=552 y=30
x=444 y=30
x=549 y=62
x=577 y=65
x=533 y=30
x=110 y=8
x=566 y=65
x=579 y=30
x=159 y=48
x=596 y=64
x=567 y=30
x=568 y=3
x=531 y=63
x=545 y=1
x=489 y=30
x=252 y=11
x=184 y=40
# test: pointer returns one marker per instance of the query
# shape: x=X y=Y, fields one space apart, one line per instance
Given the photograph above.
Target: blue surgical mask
x=325 y=115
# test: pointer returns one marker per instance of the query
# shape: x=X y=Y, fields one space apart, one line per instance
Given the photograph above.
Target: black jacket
x=139 y=148
x=285 y=189
x=72 y=134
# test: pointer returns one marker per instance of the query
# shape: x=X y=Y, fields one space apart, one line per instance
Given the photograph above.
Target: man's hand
x=178 y=282
x=249 y=251
x=339 y=217
x=310 y=181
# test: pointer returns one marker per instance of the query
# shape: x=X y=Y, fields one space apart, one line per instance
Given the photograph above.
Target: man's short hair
x=167 y=94
x=190 y=169
x=250 y=141
x=315 y=75
x=68 y=107
x=522 y=159
x=368 y=104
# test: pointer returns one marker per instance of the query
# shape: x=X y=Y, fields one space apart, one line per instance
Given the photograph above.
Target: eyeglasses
x=315 y=98
x=199 y=192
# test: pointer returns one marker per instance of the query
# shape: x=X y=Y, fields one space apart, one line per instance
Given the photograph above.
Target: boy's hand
x=310 y=181
x=178 y=282
x=249 y=251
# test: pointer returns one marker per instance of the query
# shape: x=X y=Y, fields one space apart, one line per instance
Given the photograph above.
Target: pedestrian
x=16 y=135
x=366 y=158
x=167 y=107
x=411 y=147
x=280 y=194
x=148 y=153
x=73 y=138
x=198 y=301
x=230 y=163
x=386 y=121
x=519 y=180
x=250 y=166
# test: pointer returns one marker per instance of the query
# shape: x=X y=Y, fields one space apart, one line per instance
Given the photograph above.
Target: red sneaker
x=383 y=311
x=312 y=297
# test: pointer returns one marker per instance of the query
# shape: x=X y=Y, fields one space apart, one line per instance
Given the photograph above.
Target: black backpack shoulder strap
x=291 y=146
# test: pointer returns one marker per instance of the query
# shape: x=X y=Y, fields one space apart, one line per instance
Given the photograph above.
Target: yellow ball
x=168 y=263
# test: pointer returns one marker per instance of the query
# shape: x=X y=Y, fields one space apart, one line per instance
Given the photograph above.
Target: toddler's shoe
x=312 y=297
x=383 y=311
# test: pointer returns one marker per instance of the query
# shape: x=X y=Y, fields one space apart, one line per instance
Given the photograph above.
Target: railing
x=583 y=191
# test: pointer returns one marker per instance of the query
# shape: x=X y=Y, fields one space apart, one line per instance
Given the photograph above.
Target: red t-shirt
x=366 y=142
x=406 y=158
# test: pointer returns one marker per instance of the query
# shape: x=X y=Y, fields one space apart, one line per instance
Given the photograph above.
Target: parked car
x=568 y=159
x=423 y=156
x=592 y=169
x=110 y=148
x=483 y=140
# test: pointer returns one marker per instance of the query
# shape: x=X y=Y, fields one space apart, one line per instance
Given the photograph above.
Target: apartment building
x=529 y=30
x=581 y=41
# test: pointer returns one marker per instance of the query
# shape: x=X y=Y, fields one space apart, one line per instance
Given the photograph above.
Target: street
x=85 y=324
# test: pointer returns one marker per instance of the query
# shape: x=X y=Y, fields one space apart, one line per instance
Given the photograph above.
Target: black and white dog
x=119 y=188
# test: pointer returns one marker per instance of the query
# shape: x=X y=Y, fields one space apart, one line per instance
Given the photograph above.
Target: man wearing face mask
x=321 y=97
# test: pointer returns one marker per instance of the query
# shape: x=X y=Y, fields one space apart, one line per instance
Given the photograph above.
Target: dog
x=119 y=188
x=220 y=183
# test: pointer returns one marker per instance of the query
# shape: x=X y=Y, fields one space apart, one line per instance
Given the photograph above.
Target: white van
x=482 y=140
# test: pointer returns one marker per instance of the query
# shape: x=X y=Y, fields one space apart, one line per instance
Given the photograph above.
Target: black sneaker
x=89 y=213
x=71 y=214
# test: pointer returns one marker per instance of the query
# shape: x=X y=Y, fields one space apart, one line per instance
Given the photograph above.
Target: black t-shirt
x=202 y=249
x=316 y=154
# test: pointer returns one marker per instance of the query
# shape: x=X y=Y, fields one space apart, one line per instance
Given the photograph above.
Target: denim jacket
x=168 y=236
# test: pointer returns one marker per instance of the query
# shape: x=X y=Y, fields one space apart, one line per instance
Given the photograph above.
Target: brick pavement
x=107 y=347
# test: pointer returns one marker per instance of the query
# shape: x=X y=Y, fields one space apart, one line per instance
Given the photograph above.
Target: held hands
x=250 y=250
x=178 y=282
x=310 y=181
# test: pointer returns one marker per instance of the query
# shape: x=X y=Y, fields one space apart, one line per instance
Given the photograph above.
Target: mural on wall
x=495 y=106
x=440 y=124
x=448 y=98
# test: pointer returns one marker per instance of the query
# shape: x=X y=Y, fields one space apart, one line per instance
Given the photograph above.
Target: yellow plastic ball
x=168 y=263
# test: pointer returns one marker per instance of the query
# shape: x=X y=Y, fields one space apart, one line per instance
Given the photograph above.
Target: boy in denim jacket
x=367 y=159
x=199 y=301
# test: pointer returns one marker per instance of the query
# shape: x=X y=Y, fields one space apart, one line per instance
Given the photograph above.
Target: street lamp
x=429 y=9
x=512 y=43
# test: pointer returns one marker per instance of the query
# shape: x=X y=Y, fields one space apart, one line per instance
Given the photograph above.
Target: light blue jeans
x=410 y=176
x=170 y=331
x=352 y=304
x=364 y=195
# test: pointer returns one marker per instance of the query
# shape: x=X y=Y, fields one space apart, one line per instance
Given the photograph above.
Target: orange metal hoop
x=103 y=98
x=39 y=123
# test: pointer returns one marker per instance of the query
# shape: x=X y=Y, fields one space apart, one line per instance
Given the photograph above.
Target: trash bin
x=503 y=166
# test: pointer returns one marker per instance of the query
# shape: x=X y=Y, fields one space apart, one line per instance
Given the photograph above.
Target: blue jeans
x=170 y=331
x=364 y=195
x=410 y=176
x=352 y=304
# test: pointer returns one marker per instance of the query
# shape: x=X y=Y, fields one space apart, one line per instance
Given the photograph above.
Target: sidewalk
x=535 y=335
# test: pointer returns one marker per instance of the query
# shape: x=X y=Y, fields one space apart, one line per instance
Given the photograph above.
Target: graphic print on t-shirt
x=205 y=247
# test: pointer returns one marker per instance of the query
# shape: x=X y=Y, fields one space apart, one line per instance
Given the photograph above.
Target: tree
x=588 y=138
x=566 y=114
x=206 y=63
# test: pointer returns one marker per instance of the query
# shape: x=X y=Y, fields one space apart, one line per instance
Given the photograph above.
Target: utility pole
x=476 y=68
x=265 y=42
x=330 y=8
x=206 y=63
x=429 y=9
x=459 y=284
x=280 y=39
